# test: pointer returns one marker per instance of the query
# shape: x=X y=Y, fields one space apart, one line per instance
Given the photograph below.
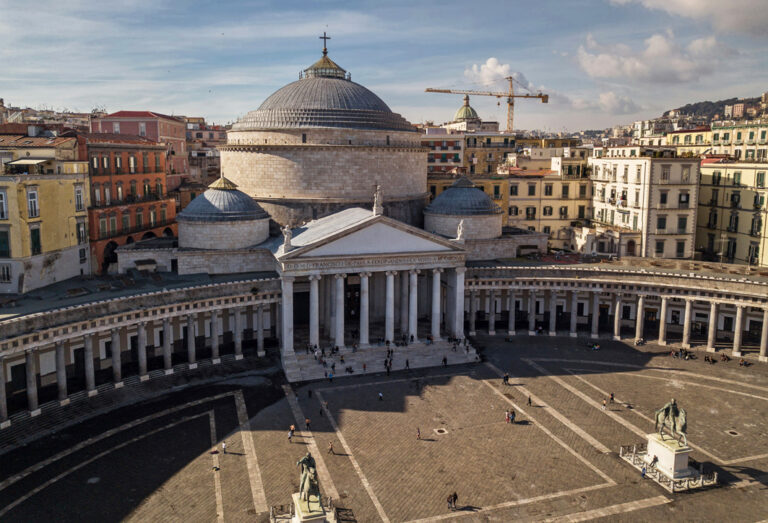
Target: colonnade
x=592 y=299
x=119 y=343
x=330 y=288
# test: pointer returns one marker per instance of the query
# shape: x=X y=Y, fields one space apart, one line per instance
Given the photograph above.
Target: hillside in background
x=710 y=109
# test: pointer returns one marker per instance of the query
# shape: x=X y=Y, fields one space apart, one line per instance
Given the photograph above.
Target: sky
x=603 y=62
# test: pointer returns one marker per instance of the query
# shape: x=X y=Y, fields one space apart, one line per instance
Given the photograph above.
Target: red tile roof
x=140 y=114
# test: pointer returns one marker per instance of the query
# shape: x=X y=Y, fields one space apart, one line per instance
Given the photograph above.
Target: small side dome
x=463 y=198
x=465 y=112
x=222 y=201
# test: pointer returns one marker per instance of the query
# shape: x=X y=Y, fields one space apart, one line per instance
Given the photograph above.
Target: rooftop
x=141 y=114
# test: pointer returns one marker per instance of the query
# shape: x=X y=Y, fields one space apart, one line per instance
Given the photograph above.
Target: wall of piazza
x=480 y=227
x=505 y=247
x=223 y=262
x=224 y=235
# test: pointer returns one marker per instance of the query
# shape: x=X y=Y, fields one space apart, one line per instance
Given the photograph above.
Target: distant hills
x=710 y=109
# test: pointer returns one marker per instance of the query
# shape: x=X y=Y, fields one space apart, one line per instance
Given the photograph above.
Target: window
x=116 y=127
x=152 y=217
x=303 y=137
x=547 y=211
x=680 y=249
x=733 y=223
x=737 y=178
x=132 y=164
x=547 y=229
x=159 y=188
x=145 y=162
x=665 y=169
x=582 y=212
x=95 y=163
x=33 y=211
x=661 y=222
x=433 y=190
x=659 y=247
x=3 y=206
x=683 y=200
x=126 y=222
x=34 y=241
x=513 y=190
x=79 y=204
x=113 y=224
x=760 y=179
x=163 y=215
x=531 y=189
x=530 y=213
x=133 y=188
x=497 y=191
x=663 y=198
x=102 y=227
x=682 y=224
x=566 y=189
x=582 y=191
x=5 y=244
x=118 y=163
x=638 y=174
x=686 y=174
x=513 y=211
x=5 y=273
x=119 y=191
x=716 y=177
x=146 y=188
x=142 y=129
x=83 y=255
x=564 y=212
x=548 y=189
x=157 y=162
x=81 y=234
x=712 y=222
x=139 y=219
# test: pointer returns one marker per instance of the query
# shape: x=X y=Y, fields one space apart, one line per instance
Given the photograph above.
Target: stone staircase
x=419 y=355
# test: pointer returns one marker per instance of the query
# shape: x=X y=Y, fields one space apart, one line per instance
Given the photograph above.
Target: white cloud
x=662 y=60
x=733 y=16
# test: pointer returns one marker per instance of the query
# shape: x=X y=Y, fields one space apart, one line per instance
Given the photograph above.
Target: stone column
x=492 y=312
x=215 y=356
x=327 y=306
x=531 y=312
x=238 y=327
x=639 y=317
x=117 y=366
x=458 y=320
x=90 y=375
x=413 y=305
x=167 y=344
x=191 y=355
x=663 y=321
x=339 y=295
x=574 y=309
x=389 y=311
x=511 y=319
x=738 y=330
x=287 y=315
x=141 y=349
x=61 y=373
x=364 y=308
x=31 y=368
x=404 y=302
x=472 y=312
x=436 y=304
x=712 y=327
x=764 y=338
x=595 y=314
x=314 y=310
x=260 y=352
x=687 y=324
x=553 y=313
x=3 y=399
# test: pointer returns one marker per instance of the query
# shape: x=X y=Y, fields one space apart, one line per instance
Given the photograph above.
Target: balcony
x=754 y=232
x=735 y=204
x=496 y=196
x=103 y=235
x=711 y=225
x=149 y=197
x=732 y=228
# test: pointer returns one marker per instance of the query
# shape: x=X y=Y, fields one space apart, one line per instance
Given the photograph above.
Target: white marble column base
x=472 y=333
x=168 y=372
x=662 y=343
x=531 y=333
x=259 y=353
x=64 y=402
x=119 y=385
x=594 y=336
x=736 y=354
x=216 y=361
x=34 y=413
x=762 y=358
x=5 y=424
x=144 y=377
x=711 y=349
x=573 y=335
x=192 y=366
x=552 y=333
x=92 y=393
x=617 y=338
x=511 y=333
x=490 y=333
x=238 y=357
x=685 y=345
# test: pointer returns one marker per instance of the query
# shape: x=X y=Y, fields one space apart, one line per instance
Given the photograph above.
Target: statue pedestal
x=673 y=457
x=311 y=510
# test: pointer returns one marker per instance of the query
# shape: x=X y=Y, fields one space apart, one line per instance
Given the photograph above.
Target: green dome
x=465 y=112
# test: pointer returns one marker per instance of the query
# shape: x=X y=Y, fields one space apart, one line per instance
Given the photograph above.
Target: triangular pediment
x=376 y=236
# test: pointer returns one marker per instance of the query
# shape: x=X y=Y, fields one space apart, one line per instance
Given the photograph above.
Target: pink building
x=155 y=126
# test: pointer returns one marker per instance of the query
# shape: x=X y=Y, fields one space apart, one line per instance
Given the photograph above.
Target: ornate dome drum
x=463 y=201
x=222 y=218
x=321 y=144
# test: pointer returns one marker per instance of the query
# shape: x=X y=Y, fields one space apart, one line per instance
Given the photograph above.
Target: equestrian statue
x=672 y=417
x=309 y=488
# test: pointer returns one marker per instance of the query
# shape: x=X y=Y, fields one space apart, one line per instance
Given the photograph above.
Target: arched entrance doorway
x=631 y=248
x=148 y=235
x=167 y=232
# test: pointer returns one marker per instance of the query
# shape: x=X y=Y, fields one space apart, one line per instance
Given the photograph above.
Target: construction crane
x=509 y=95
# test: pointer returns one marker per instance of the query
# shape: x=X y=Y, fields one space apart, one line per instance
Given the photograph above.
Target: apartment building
x=691 y=142
x=745 y=140
x=732 y=212
x=648 y=190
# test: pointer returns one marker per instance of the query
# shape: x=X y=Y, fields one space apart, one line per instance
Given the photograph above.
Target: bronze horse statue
x=308 y=484
x=673 y=418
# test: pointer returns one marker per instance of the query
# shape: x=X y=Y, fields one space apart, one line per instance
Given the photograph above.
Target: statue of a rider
x=672 y=417
x=308 y=484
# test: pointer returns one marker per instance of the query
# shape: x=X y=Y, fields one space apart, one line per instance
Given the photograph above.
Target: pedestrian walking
x=612 y=397
x=604 y=404
x=381 y=396
x=290 y=436
x=407 y=365
x=642 y=472
x=450 y=501
x=455 y=498
x=309 y=393
x=330 y=448
x=330 y=377
x=445 y=361
x=223 y=447
x=307 y=423
x=506 y=416
x=529 y=401
x=364 y=367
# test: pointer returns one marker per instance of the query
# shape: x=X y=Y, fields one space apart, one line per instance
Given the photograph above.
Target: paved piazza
x=559 y=462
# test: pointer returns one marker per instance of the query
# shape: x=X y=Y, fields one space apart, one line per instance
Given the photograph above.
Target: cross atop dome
x=325 y=41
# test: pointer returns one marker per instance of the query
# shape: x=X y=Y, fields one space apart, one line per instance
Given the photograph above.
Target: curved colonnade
x=147 y=332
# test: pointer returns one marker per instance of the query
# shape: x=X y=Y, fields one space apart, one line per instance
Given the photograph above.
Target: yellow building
x=691 y=142
x=732 y=213
x=44 y=198
x=485 y=152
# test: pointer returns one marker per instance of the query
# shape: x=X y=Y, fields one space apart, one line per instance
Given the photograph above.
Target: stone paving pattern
x=162 y=469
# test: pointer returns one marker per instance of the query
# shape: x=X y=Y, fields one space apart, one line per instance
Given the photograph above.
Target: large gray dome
x=324 y=97
x=463 y=198
x=222 y=202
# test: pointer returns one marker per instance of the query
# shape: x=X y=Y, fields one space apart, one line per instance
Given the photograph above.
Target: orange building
x=129 y=198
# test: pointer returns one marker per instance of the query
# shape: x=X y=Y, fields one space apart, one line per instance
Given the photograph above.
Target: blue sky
x=603 y=62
